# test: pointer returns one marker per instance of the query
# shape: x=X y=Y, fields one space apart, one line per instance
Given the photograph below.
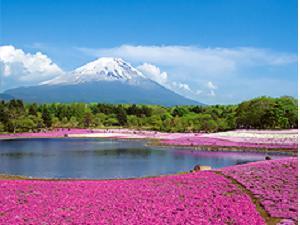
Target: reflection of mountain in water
x=21 y=154
x=137 y=152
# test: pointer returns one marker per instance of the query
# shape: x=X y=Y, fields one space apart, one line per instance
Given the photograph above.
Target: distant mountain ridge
x=106 y=80
x=5 y=97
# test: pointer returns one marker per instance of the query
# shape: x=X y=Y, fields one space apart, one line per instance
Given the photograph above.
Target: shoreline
x=6 y=176
x=159 y=142
x=287 y=151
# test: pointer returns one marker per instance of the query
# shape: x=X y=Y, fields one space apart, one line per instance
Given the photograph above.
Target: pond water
x=106 y=158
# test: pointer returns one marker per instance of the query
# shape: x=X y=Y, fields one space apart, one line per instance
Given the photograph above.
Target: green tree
x=121 y=116
x=87 y=119
x=46 y=116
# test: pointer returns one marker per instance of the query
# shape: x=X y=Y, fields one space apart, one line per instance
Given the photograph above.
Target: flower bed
x=209 y=141
x=241 y=139
x=273 y=182
x=263 y=136
x=197 y=198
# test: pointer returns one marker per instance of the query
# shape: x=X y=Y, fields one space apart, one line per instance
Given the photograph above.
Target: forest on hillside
x=258 y=113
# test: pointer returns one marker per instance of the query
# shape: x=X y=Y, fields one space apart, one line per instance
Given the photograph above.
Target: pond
x=106 y=158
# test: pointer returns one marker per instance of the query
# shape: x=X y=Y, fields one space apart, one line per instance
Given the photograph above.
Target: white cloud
x=211 y=86
x=212 y=61
x=172 y=56
x=211 y=93
x=181 y=86
x=198 y=92
x=20 y=68
x=153 y=72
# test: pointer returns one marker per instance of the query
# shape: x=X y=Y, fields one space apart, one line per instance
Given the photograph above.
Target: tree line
x=258 y=113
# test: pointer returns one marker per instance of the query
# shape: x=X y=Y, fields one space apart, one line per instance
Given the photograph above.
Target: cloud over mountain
x=209 y=60
x=230 y=70
x=153 y=72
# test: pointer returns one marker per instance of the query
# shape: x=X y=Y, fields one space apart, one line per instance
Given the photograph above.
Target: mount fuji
x=105 y=80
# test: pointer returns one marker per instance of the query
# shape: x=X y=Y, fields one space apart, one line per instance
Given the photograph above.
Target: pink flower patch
x=197 y=198
x=274 y=182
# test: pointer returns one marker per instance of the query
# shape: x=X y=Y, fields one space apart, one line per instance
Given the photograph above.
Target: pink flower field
x=242 y=139
x=205 y=197
x=196 y=198
x=274 y=183
x=218 y=142
x=250 y=194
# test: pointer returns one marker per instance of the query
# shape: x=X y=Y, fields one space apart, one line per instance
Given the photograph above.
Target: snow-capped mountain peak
x=102 y=69
x=106 y=68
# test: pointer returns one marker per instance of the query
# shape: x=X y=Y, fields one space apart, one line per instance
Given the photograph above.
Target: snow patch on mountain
x=102 y=69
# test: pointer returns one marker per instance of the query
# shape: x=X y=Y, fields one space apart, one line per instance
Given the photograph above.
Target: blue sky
x=230 y=50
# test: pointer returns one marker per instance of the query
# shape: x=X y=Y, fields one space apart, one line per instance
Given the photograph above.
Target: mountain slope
x=101 y=91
